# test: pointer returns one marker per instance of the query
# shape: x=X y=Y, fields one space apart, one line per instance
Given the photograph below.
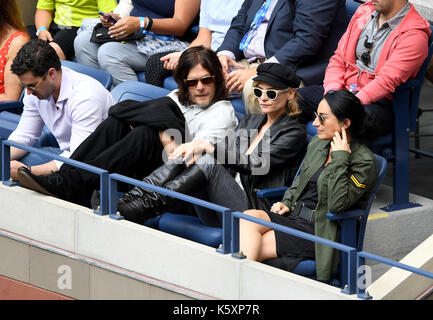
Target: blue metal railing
x=230 y=237
x=113 y=195
x=362 y=255
x=5 y=156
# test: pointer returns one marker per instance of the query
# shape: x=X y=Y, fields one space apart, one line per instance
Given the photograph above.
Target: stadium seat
x=352 y=227
x=139 y=91
x=102 y=76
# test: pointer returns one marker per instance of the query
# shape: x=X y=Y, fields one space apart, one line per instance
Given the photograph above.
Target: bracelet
x=29 y=168
x=142 y=22
x=149 y=24
x=39 y=30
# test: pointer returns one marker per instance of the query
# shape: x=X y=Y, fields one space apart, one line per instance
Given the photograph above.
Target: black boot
x=131 y=204
x=54 y=184
x=150 y=204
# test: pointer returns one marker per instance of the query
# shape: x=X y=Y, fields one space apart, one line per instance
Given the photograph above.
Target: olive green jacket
x=345 y=183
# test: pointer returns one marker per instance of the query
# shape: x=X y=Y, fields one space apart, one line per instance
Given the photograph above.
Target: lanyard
x=258 y=18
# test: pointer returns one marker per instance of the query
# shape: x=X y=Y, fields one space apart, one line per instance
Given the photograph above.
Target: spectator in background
x=68 y=15
x=299 y=34
x=385 y=44
x=166 y=23
x=215 y=19
x=12 y=38
x=71 y=105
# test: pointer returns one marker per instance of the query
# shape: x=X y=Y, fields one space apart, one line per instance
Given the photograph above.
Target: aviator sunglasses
x=272 y=94
x=320 y=117
x=205 y=80
x=36 y=86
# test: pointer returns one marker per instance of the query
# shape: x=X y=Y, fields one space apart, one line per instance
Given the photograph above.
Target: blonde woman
x=264 y=151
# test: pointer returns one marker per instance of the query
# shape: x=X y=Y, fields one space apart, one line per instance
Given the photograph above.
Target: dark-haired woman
x=12 y=38
x=264 y=152
x=133 y=139
x=338 y=173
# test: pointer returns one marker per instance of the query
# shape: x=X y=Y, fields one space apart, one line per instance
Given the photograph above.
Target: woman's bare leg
x=256 y=241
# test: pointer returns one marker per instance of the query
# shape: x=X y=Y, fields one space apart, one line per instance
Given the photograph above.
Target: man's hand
x=280 y=208
x=170 y=60
x=191 y=151
x=124 y=27
x=228 y=63
x=15 y=165
x=236 y=79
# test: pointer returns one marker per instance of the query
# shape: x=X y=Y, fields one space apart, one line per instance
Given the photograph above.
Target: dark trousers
x=117 y=148
x=312 y=95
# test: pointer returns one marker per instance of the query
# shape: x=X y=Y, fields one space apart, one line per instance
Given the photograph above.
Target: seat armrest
x=7 y=105
x=350 y=214
x=271 y=192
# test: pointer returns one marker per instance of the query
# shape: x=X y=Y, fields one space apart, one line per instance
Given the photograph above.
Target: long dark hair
x=345 y=105
x=207 y=59
x=10 y=15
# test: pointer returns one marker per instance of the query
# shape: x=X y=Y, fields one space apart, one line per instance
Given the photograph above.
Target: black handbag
x=100 y=35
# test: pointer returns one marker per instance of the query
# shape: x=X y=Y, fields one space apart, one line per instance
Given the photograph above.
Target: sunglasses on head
x=366 y=57
x=36 y=86
x=320 y=117
x=205 y=80
x=272 y=94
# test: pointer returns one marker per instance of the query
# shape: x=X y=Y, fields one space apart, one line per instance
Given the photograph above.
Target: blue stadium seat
x=139 y=91
x=189 y=227
x=102 y=76
x=170 y=84
x=352 y=226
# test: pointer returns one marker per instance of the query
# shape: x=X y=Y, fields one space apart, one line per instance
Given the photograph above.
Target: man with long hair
x=133 y=139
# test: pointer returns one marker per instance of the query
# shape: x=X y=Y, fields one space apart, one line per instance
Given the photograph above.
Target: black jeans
x=117 y=148
x=312 y=95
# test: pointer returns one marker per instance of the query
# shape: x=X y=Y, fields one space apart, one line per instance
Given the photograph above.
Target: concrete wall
x=156 y=258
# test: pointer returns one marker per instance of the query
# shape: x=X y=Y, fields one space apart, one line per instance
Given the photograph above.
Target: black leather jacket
x=274 y=160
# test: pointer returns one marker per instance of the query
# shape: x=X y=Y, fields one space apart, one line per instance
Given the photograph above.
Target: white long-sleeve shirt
x=82 y=105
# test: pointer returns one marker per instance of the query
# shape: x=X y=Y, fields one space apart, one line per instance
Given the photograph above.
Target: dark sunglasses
x=366 y=57
x=272 y=94
x=320 y=117
x=205 y=80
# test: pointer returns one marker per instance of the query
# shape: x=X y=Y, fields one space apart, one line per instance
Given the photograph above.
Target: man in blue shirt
x=299 y=34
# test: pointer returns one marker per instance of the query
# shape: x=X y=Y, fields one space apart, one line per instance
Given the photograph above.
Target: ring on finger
x=122 y=33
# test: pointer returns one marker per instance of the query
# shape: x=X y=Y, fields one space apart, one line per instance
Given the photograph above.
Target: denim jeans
x=221 y=189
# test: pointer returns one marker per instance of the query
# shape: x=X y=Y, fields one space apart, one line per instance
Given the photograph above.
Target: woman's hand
x=280 y=208
x=45 y=35
x=170 y=60
x=107 y=23
x=339 y=143
x=124 y=27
